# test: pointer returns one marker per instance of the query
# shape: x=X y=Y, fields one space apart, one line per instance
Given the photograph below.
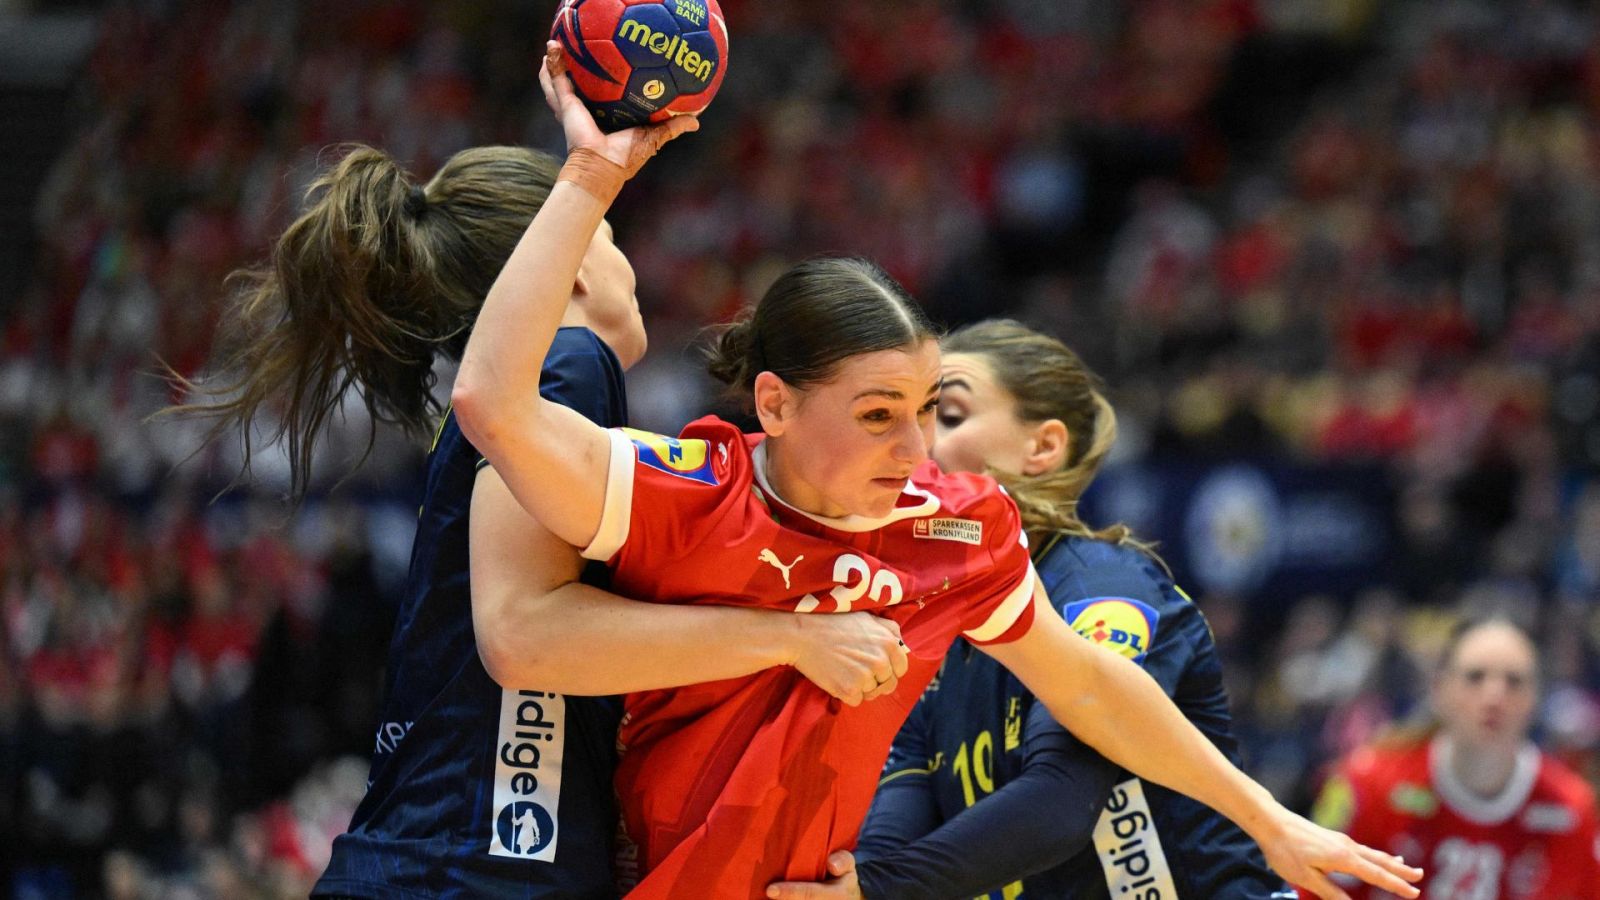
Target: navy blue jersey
x=476 y=790
x=1061 y=821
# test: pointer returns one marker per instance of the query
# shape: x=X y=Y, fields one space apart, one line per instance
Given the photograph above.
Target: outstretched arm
x=553 y=459
x=535 y=626
x=1033 y=823
x=1117 y=708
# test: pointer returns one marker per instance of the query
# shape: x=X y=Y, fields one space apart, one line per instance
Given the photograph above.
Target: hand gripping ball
x=637 y=61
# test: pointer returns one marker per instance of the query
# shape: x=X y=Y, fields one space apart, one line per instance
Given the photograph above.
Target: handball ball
x=638 y=61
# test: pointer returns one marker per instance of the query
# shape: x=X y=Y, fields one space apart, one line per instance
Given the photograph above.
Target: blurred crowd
x=1332 y=232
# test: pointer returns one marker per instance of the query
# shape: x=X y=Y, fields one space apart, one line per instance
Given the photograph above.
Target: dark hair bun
x=730 y=357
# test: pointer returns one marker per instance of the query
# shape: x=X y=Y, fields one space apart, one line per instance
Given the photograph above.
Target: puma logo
x=767 y=556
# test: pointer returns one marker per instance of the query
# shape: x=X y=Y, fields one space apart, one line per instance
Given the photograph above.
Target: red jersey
x=730 y=785
x=1535 y=841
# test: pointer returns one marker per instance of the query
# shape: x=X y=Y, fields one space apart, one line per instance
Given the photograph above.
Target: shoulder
x=1381 y=763
x=577 y=339
x=582 y=350
x=1557 y=781
x=1360 y=789
x=581 y=372
x=971 y=509
x=713 y=428
x=1096 y=566
x=1080 y=572
x=708 y=452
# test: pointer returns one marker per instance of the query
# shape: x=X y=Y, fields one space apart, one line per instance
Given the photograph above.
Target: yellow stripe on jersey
x=893 y=775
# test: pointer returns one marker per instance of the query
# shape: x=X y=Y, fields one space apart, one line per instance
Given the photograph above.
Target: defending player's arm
x=1118 y=709
x=1035 y=822
x=553 y=459
x=536 y=626
x=1047 y=814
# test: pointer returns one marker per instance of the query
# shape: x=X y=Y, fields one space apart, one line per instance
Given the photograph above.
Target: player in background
x=984 y=791
x=726 y=786
x=1469 y=797
x=478 y=789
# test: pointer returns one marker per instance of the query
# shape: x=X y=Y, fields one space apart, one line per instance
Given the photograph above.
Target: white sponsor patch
x=1129 y=848
x=1549 y=818
x=967 y=531
x=527 y=775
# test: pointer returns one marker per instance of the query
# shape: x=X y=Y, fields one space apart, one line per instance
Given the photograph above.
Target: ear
x=775 y=403
x=1047 y=448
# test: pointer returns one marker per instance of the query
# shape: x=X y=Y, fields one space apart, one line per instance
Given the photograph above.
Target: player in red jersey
x=1489 y=815
x=733 y=784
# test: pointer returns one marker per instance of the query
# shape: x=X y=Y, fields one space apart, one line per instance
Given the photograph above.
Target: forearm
x=578 y=639
x=1036 y=822
x=903 y=811
x=1115 y=707
x=1121 y=712
x=499 y=373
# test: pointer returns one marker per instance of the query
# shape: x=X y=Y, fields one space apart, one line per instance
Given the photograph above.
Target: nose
x=911 y=441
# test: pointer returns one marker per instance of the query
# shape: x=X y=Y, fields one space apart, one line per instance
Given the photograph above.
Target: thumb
x=792 y=890
x=672 y=128
x=841 y=863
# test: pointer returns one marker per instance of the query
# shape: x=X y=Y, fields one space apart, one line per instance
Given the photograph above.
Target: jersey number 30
x=856 y=580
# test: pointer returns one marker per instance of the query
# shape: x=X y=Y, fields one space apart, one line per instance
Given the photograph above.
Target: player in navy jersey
x=488 y=779
x=835 y=499
x=984 y=791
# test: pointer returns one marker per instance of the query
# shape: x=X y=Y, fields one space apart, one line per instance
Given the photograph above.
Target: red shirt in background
x=1535 y=841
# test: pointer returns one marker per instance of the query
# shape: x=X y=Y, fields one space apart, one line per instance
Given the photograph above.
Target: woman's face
x=847 y=446
x=977 y=425
x=609 y=304
x=1486 y=696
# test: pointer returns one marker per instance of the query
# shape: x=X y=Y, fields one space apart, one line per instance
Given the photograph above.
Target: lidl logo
x=1122 y=624
x=687 y=459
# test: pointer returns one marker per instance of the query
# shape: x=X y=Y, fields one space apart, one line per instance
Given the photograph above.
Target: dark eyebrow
x=957 y=382
x=894 y=395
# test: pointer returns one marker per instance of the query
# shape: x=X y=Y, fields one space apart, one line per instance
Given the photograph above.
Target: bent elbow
x=496 y=661
x=511 y=668
x=470 y=409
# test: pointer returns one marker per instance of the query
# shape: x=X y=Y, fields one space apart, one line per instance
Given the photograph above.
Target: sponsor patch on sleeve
x=966 y=531
x=1122 y=624
x=691 y=459
x=1336 y=805
x=1549 y=818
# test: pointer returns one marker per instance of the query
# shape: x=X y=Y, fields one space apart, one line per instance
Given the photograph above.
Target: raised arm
x=553 y=459
x=1117 y=708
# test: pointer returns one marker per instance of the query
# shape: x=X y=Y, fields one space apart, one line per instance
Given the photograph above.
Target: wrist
x=792 y=628
x=1257 y=813
x=592 y=173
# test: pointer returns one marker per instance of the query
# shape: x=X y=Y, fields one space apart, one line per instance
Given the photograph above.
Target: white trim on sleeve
x=1007 y=612
x=617 y=513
